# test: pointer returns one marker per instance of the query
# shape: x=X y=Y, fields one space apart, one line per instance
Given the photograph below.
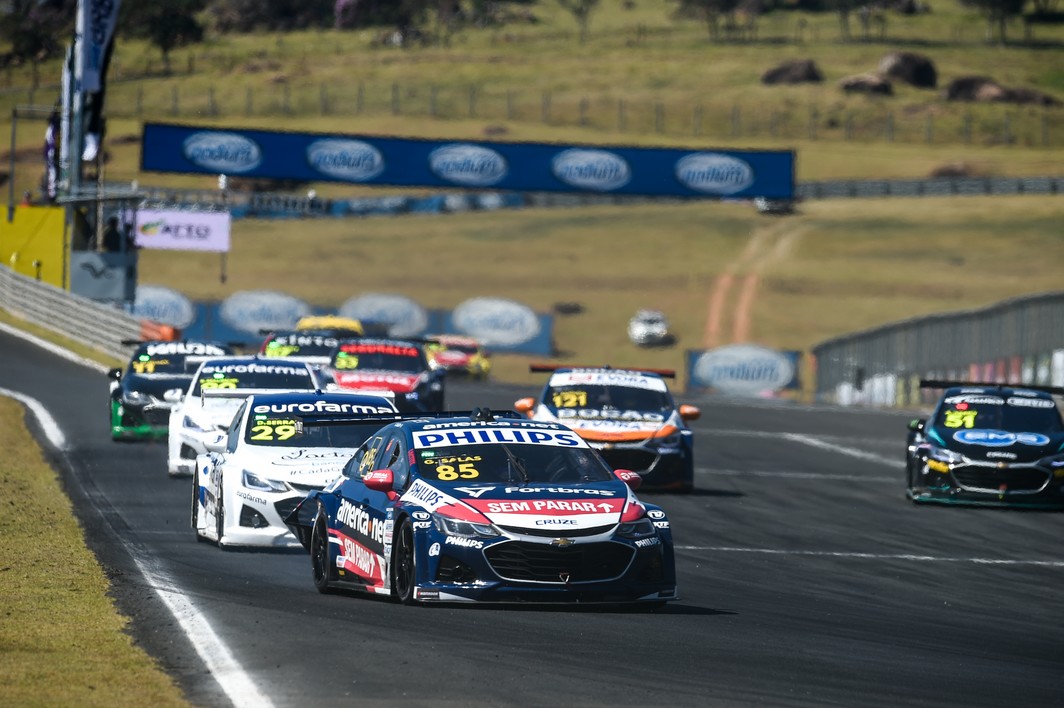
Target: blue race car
x=989 y=445
x=482 y=508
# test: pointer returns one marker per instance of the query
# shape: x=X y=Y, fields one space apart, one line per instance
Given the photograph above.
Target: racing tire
x=219 y=516
x=404 y=563
x=319 y=555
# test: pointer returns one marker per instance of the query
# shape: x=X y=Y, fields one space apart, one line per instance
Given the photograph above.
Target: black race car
x=988 y=444
x=151 y=384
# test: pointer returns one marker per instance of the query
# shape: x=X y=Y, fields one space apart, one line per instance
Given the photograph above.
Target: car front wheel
x=404 y=564
x=319 y=554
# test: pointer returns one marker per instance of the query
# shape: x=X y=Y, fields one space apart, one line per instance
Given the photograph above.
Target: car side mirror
x=688 y=412
x=632 y=479
x=381 y=481
x=216 y=444
x=115 y=374
x=525 y=405
x=917 y=424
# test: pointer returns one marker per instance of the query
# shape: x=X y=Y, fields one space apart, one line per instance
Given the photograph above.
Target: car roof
x=1003 y=390
x=253 y=359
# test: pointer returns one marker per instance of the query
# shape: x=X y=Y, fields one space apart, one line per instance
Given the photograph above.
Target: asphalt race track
x=806 y=579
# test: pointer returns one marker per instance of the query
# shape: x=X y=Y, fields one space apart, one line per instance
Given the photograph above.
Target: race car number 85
x=448 y=473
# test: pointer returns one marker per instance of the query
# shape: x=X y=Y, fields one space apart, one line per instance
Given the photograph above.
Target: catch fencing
x=1016 y=341
x=98 y=325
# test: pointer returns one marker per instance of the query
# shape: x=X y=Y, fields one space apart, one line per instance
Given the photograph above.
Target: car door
x=363 y=513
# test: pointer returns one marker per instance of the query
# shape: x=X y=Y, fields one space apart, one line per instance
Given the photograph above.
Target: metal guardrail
x=933 y=187
x=1016 y=341
x=95 y=324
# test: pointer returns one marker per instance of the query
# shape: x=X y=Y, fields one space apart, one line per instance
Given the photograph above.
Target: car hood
x=990 y=445
x=398 y=382
x=314 y=466
x=535 y=508
x=613 y=424
x=214 y=413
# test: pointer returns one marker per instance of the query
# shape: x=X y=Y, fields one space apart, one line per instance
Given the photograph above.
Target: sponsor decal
x=656 y=514
x=556 y=522
x=648 y=542
x=423 y=594
x=364 y=560
x=580 y=377
x=434 y=550
x=713 y=173
x=661 y=524
x=1031 y=402
x=978 y=400
x=468 y=165
x=421 y=515
x=479 y=436
x=359 y=520
x=165 y=306
x=539 y=506
x=474 y=492
x=350 y=160
x=253 y=368
x=182 y=230
x=598 y=170
x=496 y=321
x=405 y=317
x=558 y=490
x=255 y=310
x=320 y=406
x=463 y=542
x=399 y=382
x=999 y=438
x=422 y=524
x=428 y=496
x=1002 y=455
x=221 y=152
x=743 y=369
x=611 y=415
x=251 y=498
x=183 y=348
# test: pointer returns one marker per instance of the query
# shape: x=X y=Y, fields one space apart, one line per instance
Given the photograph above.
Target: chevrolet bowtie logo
x=562 y=542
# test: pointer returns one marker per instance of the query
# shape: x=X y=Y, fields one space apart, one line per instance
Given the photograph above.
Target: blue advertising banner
x=411 y=162
x=743 y=370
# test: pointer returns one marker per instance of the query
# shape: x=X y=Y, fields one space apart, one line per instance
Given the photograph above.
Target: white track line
x=53 y=348
x=227 y=671
x=874 y=556
x=851 y=451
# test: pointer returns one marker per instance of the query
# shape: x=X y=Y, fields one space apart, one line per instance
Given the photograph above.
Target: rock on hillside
x=914 y=69
x=795 y=71
x=867 y=83
x=984 y=89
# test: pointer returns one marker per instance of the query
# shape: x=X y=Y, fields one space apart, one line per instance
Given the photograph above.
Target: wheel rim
x=404 y=563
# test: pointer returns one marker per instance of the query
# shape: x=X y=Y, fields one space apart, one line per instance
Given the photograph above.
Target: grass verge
x=62 y=639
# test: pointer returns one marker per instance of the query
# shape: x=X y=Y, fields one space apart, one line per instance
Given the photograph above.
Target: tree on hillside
x=37 y=30
x=581 y=11
x=997 y=14
x=270 y=15
x=709 y=11
x=167 y=24
x=844 y=8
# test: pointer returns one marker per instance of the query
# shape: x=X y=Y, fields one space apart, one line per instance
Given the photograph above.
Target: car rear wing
x=936 y=383
x=206 y=393
x=551 y=368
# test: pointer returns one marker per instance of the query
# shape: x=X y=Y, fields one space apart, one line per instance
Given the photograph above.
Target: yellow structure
x=34 y=243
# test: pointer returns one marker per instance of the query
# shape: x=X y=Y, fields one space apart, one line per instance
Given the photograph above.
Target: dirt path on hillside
x=767 y=245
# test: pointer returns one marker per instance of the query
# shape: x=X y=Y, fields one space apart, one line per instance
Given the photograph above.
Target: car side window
x=367 y=460
x=393 y=458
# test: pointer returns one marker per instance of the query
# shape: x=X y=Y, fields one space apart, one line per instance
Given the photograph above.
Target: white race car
x=198 y=418
x=279 y=447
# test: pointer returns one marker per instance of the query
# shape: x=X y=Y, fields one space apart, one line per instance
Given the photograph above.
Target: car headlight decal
x=641 y=528
x=262 y=484
x=467 y=529
x=191 y=424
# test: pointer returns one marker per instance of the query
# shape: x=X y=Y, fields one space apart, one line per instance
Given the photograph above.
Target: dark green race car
x=154 y=381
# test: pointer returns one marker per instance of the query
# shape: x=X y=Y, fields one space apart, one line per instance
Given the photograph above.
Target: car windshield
x=619 y=398
x=511 y=463
x=253 y=375
x=1016 y=414
x=168 y=358
x=291 y=431
x=300 y=345
x=368 y=356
